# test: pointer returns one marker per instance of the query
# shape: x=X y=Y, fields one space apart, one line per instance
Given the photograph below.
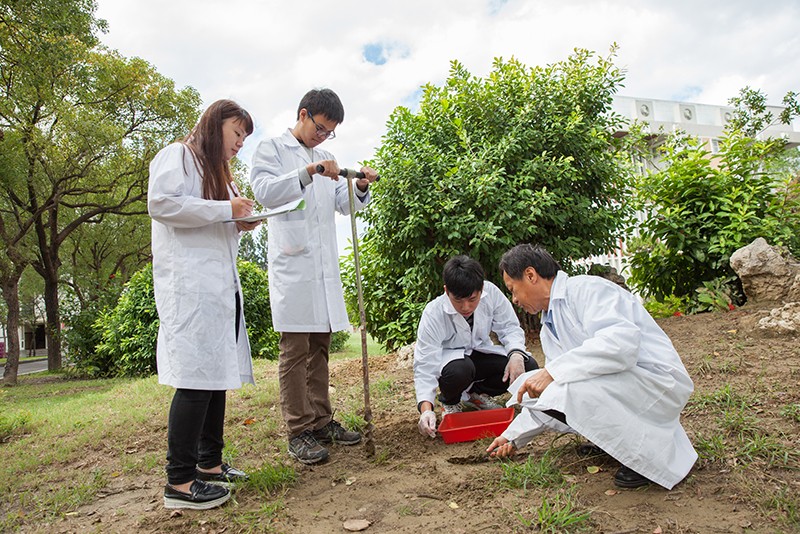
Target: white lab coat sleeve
x=525 y=426
x=169 y=196
x=272 y=187
x=428 y=355
x=505 y=322
x=612 y=338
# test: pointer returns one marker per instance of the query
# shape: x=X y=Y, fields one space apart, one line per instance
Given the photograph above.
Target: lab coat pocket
x=291 y=237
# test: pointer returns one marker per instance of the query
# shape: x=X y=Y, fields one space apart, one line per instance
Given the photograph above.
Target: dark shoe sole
x=176 y=502
x=338 y=442
x=630 y=480
x=631 y=484
x=308 y=461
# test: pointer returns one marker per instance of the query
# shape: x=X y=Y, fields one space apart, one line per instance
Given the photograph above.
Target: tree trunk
x=53 y=323
x=10 y=290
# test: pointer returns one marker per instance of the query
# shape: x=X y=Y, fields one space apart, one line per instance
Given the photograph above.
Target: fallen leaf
x=593 y=469
x=69 y=514
x=611 y=492
x=176 y=513
x=249 y=421
x=349 y=481
x=745 y=524
x=657 y=530
x=356 y=525
x=732 y=331
x=452 y=504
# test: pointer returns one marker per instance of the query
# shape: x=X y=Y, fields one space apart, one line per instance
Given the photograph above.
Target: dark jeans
x=194 y=435
x=485 y=370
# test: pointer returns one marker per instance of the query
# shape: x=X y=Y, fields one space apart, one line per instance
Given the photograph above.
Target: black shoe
x=628 y=478
x=229 y=475
x=202 y=496
x=306 y=449
x=333 y=432
x=589 y=449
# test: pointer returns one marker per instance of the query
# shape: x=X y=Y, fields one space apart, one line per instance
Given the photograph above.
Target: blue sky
x=377 y=54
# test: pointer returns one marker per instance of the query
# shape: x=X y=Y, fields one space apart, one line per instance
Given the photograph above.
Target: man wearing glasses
x=305 y=288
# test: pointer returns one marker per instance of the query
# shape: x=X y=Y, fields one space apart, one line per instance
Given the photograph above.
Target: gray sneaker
x=481 y=401
x=448 y=409
x=334 y=432
x=305 y=448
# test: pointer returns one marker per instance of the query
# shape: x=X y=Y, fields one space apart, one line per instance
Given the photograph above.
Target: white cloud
x=266 y=55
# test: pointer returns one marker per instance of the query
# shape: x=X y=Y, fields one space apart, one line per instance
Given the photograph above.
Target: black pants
x=485 y=370
x=195 y=429
x=194 y=435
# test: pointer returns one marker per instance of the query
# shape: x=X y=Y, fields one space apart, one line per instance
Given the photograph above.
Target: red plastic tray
x=470 y=426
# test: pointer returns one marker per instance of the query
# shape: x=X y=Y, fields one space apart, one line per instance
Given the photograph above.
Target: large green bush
x=703 y=207
x=523 y=155
x=129 y=331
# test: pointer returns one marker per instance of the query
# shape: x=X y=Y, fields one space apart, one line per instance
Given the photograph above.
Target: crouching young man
x=454 y=351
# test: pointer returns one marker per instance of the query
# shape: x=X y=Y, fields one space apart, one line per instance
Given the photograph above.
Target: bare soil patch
x=414 y=484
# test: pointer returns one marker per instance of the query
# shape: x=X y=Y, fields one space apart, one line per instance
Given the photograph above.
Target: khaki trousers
x=304 y=378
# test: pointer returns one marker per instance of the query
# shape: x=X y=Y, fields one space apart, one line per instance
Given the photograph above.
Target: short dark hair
x=322 y=102
x=515 y=261
x=463 y=276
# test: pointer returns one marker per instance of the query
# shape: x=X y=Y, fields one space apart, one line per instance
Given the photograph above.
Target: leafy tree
x=88 y=122
x=524 y=155
x=702 y=208
x=253 y=246
x=127 y=333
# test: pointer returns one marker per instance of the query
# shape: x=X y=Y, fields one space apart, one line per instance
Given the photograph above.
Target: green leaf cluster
x=702 y=207
x=129 y=330
x=523 y=155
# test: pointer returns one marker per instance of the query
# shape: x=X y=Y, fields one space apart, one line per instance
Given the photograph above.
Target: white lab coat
x=195 y=279
x=305 y=288
x=443 y=335
x=617 y=378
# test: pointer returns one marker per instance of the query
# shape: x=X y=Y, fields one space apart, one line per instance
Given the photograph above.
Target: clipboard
x=299 y=204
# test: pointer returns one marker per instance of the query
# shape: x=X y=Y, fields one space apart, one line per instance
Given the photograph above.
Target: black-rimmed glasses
x=321 y=132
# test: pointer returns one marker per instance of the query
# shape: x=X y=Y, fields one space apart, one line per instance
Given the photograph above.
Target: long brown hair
x=205 y=143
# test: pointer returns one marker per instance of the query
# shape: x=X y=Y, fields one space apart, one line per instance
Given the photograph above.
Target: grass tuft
x=539 y=472
x=561 y=514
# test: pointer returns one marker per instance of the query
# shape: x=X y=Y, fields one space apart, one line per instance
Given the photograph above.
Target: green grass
x=272 y=478
x=541 y=472
x=352 y=349
x=791 y=411
x=52 y=424
x=558 y=515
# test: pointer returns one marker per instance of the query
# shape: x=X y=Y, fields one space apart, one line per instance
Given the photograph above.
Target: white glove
x=427 y=423
x=514 y=367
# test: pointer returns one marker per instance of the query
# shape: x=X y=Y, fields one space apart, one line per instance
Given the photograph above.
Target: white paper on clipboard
x=299 y=204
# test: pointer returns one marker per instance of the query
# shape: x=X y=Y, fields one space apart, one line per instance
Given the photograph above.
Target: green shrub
x=130 y=329
x=667 y=307
x=258 y=314
x=703 y=207
x=523 y=155
x=339 y=340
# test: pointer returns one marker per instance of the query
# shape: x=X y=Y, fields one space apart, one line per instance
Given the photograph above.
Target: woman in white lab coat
x=611 y=374
x=202 y=348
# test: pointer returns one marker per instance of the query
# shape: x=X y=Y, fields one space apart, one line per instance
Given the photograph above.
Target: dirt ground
x=415 y=484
